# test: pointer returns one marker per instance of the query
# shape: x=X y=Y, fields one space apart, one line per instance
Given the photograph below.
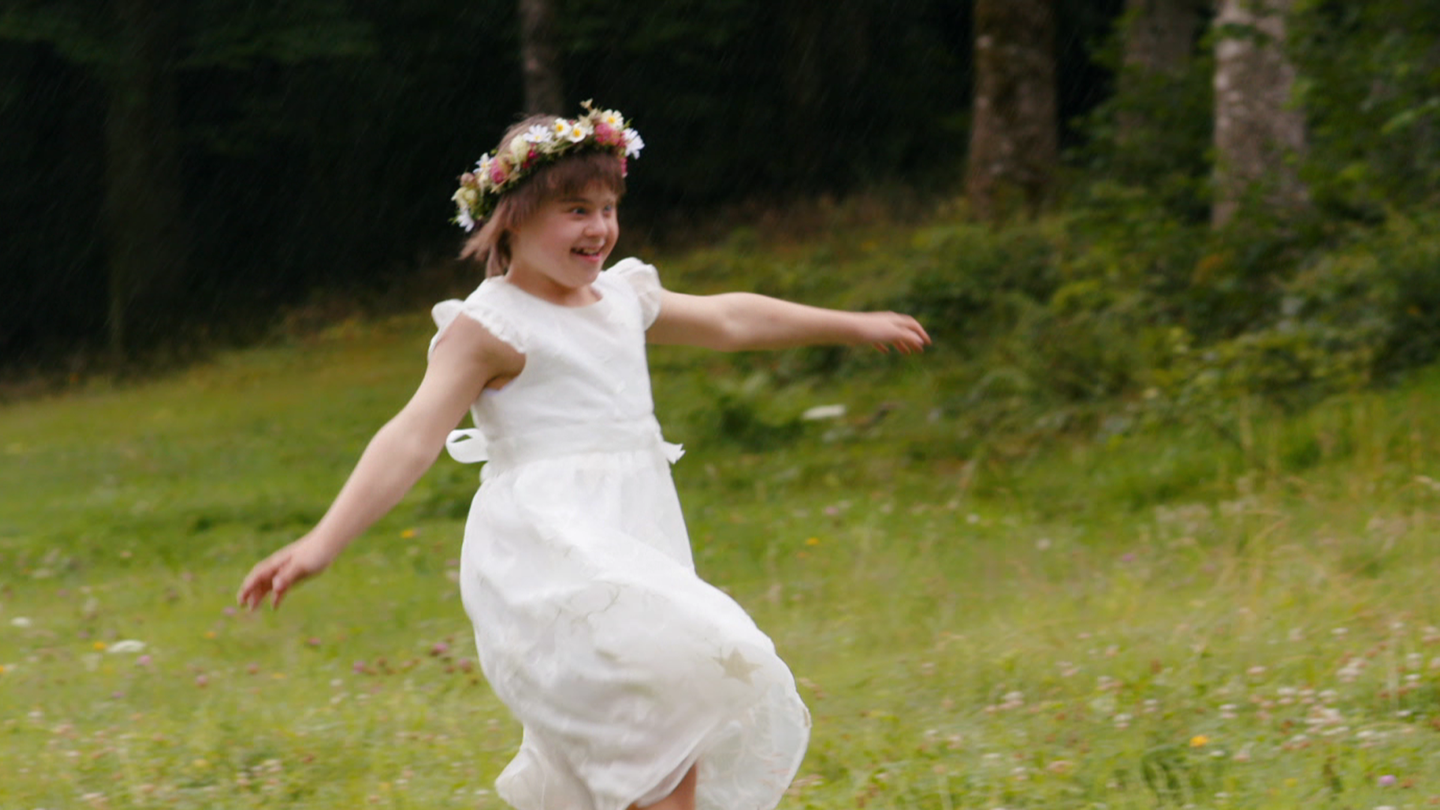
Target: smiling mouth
x=590 y=252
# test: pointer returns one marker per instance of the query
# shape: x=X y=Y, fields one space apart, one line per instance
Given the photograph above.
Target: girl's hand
x=284 y=569
x=886 y=329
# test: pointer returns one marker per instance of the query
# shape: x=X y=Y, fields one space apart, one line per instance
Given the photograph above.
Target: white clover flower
x=633 y=143
x=538 y=133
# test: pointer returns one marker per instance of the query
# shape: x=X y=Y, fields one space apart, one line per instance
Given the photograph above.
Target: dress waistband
x=470 y=446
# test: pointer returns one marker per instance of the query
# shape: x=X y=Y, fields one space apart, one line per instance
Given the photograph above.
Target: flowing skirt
x=624 y=667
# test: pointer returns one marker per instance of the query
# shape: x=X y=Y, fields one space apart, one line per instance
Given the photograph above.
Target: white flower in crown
x=482 y=167
x=538 y=133
x=611 y=118
x=578 y=132
x=633 y=143
x=466 y=196
x=519 y=149
x=559 y=128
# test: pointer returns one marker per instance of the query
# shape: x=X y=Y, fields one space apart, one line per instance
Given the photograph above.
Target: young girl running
x=637 y=683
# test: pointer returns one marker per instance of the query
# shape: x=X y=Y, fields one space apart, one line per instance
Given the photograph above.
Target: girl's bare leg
x=682 y=798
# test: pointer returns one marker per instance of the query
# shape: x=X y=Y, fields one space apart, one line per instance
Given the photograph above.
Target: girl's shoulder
x=643 y=280
x=484 y=306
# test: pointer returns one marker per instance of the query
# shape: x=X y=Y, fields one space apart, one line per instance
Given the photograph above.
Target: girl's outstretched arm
x=746 y=321
x=465 y=360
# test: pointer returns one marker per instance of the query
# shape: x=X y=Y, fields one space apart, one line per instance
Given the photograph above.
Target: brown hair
x=572 y=174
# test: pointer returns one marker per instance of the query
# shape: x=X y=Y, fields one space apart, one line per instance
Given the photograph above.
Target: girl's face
x=558 y=252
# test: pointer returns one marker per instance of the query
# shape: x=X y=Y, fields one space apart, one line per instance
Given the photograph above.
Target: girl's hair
x=572 y=174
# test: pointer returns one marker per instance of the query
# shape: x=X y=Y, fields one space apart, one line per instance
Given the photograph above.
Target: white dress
x=624 y=667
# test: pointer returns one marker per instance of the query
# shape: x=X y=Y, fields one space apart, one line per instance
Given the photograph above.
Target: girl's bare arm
x=746 y=321
x=465 y=360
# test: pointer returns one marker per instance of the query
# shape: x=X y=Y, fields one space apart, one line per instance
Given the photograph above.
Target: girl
x=638 y=684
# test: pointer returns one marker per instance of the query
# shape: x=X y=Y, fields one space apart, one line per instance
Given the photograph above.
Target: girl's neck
x=541 y=286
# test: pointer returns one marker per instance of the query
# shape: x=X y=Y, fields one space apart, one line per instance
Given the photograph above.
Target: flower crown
x=496 y=173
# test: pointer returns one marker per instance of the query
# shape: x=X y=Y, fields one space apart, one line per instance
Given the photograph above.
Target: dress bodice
x=585 y=384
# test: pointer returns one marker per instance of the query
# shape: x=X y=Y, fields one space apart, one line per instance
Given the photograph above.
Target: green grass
x=977 y=620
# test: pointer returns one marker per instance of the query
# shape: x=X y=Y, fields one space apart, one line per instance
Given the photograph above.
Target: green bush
x=973 y=280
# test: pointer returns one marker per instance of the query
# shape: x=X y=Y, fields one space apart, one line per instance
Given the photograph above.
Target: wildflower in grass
x=142 y=661
x=439 y=649
x=408 y=534
x=1199 y=741
x=1387 y=780
x=202 y=681
x=21 y=621
x=98 y=645
x=812 y=541
x=128 y=645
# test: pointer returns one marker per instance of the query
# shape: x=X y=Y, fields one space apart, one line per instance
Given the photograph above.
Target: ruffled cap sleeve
x=644 y=279
x=481 y=310
x=468 y=446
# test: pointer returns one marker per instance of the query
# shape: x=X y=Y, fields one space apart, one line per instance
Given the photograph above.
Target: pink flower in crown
x=606 y=135
x=529 y=159
x=498 y=172
x=469 y=180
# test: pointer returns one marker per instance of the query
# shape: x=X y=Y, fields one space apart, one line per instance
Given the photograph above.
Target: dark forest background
x=180 y=168
x=316 y=142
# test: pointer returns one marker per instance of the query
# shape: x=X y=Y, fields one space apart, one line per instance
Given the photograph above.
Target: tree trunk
x=1014 y=131
x=143 y=210
x=1258 y=132
x=540 y=59
x=1159 y=40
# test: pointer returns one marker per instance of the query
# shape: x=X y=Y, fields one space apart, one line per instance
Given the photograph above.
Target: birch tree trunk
x=1258 y=132
x=143 y=211
x=540 y=59
x=1015 y=130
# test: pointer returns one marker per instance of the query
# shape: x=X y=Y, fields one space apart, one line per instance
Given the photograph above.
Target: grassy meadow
x=978 y=618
